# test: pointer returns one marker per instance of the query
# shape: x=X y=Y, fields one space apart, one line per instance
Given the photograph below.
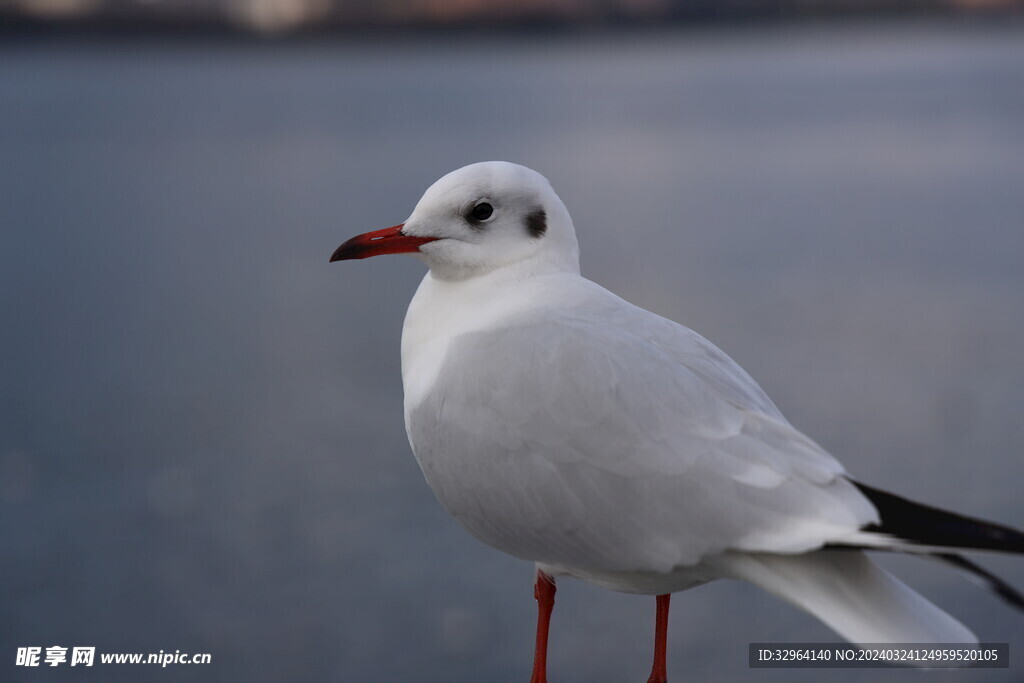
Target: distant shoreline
x=215 y=26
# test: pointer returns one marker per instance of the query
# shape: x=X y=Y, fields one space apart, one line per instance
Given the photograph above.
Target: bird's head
x=479 y=218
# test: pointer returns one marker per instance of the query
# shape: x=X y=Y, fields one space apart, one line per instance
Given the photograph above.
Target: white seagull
x=565 y=426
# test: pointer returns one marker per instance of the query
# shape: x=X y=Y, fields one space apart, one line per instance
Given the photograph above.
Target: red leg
x=544 y=591
x=658 y=671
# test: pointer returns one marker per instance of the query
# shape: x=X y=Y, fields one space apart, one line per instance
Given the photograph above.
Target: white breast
x=563 y=425
x=441 y=311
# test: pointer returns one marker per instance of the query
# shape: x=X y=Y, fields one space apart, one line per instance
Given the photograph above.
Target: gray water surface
x=201 y=440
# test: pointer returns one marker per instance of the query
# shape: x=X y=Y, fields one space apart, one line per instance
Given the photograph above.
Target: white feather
x=857 y=599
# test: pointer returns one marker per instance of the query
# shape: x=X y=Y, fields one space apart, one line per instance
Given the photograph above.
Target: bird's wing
x=604 y=437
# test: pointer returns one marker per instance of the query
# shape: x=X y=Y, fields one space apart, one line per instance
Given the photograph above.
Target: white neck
x=443 y=309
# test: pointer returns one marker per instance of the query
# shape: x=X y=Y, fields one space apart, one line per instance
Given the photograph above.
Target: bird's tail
x=852 y=595
x=909 y=527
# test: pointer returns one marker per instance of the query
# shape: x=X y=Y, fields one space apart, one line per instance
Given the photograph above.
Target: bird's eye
x=481 y=212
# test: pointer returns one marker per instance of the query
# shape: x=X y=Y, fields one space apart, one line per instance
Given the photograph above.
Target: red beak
x=387 y=241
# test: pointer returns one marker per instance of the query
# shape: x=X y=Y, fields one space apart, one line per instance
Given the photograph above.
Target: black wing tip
x=920 y=524
x=989 y=580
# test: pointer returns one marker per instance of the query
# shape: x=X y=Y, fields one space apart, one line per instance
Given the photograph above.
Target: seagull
x=565 y=426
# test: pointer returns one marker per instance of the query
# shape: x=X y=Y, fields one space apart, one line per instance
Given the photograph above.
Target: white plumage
x=565 y=426
x=582 y=432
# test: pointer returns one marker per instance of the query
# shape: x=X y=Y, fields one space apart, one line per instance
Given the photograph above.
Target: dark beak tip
x=386 y=241
x=342 y=253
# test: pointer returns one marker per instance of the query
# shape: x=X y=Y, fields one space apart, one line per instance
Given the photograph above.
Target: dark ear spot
x=537 y=223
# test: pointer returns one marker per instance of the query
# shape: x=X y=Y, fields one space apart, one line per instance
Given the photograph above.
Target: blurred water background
x=201 y=440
